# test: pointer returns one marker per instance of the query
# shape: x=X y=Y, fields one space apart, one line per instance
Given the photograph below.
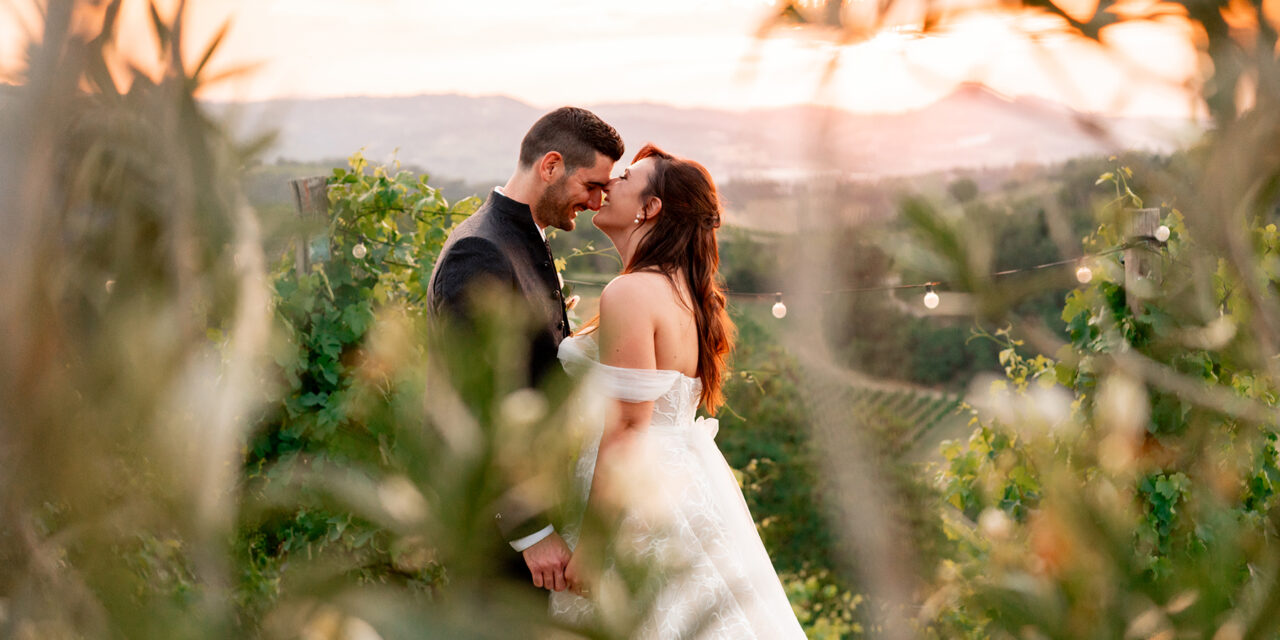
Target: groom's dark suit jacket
x=500 y=245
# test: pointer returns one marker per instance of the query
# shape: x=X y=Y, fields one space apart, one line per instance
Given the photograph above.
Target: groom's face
x=574 y=191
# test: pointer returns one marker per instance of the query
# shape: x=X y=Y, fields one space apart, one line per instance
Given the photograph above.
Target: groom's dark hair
x=576 y=133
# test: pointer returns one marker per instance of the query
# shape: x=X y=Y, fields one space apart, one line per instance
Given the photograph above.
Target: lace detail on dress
x=689 y=522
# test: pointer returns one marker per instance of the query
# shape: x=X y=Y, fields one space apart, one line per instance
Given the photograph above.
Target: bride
x=661 y=495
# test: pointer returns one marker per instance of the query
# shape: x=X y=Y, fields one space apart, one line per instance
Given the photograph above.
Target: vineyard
x=909 y=416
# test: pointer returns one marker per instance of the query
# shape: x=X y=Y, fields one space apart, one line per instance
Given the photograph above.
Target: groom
x=565 y=163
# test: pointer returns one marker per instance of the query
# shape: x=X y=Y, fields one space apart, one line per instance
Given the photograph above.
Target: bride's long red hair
x=684 y=239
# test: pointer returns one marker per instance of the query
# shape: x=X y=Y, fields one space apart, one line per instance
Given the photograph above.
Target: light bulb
x=1084 y=274
x=931 y=299
x=1162 y=233
x=359 y=251
x=111 y=284
x=779 y=309
x=995 y=524
x=572 y=302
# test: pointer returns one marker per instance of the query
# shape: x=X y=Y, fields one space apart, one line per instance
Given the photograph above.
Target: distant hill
x=476 y=139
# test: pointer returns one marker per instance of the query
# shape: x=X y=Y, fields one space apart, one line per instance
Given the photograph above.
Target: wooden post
x=311 y=199
x=1141 y=257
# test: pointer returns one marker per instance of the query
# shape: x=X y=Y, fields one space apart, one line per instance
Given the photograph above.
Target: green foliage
x=129 y=246
x=749 y=260
x=1163 y=495
x=825 y=611
x=1137 y=494
x=963 y=190
x=990 y=471
x=1000 y=230
x=382 y=237
x=764 y=433
x=941 y=353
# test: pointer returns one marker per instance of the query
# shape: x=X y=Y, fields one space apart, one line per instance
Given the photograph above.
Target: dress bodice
x=674 y=395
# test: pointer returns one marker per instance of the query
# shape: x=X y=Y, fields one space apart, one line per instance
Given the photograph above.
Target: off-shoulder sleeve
x=635 y=385
x=578 y=355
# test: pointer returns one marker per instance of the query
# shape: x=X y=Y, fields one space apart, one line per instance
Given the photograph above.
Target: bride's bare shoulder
x=632 y=294
x=639 y=283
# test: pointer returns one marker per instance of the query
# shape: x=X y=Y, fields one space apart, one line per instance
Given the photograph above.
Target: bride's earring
x=639 y=219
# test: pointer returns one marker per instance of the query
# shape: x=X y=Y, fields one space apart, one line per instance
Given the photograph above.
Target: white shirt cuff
x=532 y=539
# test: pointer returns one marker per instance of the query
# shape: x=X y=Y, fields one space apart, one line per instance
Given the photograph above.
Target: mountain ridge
x=476 y=138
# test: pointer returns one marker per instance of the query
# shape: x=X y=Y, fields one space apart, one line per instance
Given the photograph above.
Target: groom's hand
x=546 y=561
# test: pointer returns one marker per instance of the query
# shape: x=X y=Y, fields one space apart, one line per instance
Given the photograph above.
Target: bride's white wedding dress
x=690 y=523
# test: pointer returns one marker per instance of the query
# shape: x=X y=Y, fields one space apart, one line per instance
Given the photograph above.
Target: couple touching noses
x=658 y=351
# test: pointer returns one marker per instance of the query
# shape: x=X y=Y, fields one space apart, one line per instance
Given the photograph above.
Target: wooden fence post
x=311 y=199
x=1142 y=257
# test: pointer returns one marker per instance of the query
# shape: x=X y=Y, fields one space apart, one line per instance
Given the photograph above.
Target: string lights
x=779 y=309
x=1084 y=274
x=1162 y=233
x=360 y=251
x=931 y=298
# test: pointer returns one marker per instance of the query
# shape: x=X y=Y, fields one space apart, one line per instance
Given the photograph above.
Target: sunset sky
x=682 y=52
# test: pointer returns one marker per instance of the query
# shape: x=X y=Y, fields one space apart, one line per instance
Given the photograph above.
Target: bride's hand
x=577 y=575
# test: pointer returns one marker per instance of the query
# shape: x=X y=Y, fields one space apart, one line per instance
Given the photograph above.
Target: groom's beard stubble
x=554 y=208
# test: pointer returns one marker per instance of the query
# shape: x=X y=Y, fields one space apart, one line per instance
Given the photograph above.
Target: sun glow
x=669 y=51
